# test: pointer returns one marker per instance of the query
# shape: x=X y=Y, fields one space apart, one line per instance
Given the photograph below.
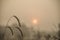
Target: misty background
x=47 y=13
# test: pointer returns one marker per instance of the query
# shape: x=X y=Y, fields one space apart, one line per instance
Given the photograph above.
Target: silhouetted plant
x=2 y=31
x=59 y=32
x=48 y=36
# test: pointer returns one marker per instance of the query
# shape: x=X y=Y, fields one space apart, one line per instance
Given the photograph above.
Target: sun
x=34 y=21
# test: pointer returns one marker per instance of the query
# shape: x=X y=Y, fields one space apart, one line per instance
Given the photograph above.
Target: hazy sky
x=44 y=11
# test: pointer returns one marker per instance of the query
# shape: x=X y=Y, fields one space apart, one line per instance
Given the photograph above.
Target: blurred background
x=35 y=15
x=45 y=12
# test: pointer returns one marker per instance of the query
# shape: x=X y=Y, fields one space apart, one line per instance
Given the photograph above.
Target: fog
x=45 y=11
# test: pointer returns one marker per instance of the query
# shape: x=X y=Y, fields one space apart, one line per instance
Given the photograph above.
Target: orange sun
x=34 y=21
